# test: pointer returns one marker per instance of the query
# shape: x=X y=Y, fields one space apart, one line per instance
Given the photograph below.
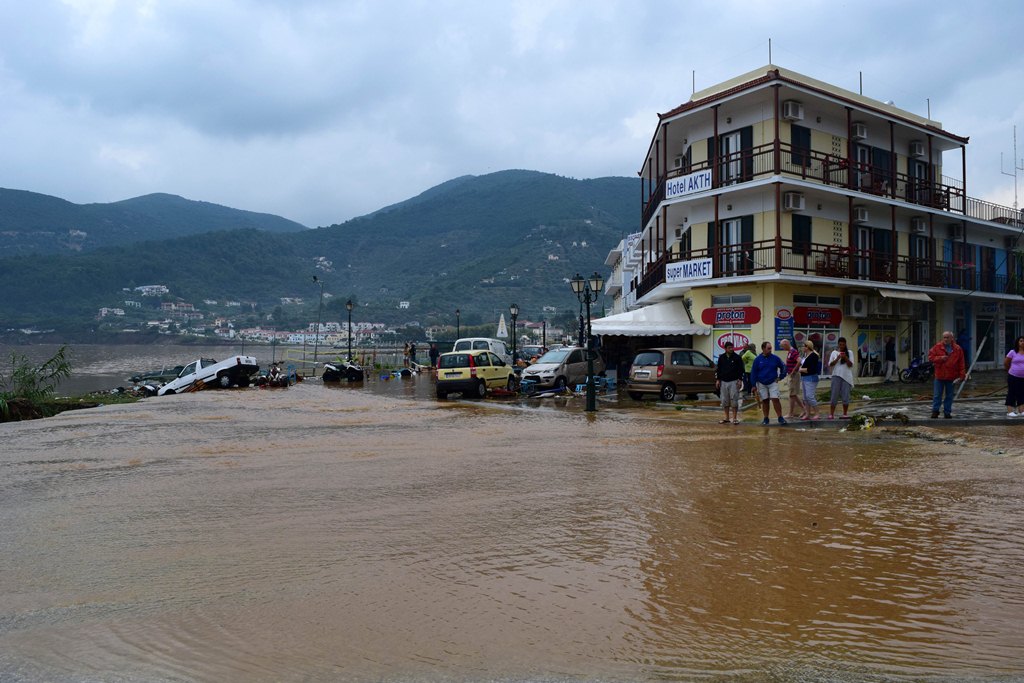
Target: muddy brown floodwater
x=316 y=534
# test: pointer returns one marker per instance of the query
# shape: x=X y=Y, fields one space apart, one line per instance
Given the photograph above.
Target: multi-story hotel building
x=778 y=206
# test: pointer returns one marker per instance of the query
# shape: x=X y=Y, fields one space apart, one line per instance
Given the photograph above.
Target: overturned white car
x=236 y=371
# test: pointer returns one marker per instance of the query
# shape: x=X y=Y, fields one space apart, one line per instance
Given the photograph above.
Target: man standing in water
x=729 y=380
x=767 y=370
x=950 y=368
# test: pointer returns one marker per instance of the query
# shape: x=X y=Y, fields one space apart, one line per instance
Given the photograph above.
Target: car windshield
x=555 y=357
x=648 y=358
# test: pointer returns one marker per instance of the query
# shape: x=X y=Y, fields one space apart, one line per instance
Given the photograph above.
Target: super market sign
x=697 y=269
x=688 y=184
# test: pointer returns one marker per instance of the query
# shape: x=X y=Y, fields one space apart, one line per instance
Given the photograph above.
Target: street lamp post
x=319 y=315
x=348 y=306
x=586 y=291
x=458 y=327
x=514 y=311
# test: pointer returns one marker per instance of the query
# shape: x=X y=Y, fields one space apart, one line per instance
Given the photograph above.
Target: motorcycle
x=338 y=371
x=920 y=370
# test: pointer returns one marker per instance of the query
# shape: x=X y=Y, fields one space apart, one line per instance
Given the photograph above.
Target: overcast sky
x=322 y=110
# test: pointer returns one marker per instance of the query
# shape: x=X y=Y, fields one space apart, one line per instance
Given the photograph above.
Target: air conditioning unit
x=677 y=162
x=679 y=233
x=916 y=148
x=918 y=225
x=793 y=201
x=859 y=131
x=860 y=214
x=856 y=305
x=956 y=231
x=792 y=110
x=879 y=305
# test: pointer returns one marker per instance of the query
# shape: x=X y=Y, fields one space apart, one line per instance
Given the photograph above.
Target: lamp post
x=514 y=312
x=586 y=291
x=348 y=306
x=544 y=333
x=319 y=314
x=458 y=328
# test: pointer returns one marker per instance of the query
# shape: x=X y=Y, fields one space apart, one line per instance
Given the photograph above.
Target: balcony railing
x=824 y=260
x=766 y=160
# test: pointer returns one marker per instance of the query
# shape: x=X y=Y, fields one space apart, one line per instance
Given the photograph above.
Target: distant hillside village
x=215 y=321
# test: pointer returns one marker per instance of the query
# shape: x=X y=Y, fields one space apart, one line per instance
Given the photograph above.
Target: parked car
x=666 y=372
x=531 y=351
x=472 y=373
x=562 y=367
x=495 y=346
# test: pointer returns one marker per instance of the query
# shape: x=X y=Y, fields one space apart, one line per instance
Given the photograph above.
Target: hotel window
x=734 y=244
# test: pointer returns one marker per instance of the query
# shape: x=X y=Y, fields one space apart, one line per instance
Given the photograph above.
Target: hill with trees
x=476 y=243
x=32 y=223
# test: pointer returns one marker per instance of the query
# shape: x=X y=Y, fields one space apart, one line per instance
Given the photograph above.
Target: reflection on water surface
x=350 y=534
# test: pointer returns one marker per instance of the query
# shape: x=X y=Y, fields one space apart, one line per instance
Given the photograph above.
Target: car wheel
x=224 y=381
x=169 y=392
x=635 y=395
x=481 y=389
x=560 y=383
x=511 y=383
x=668 y=391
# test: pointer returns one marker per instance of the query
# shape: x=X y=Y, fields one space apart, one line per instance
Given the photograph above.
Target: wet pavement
x=981 y=403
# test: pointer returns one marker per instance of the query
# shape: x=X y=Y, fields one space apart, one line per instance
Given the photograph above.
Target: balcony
x=783 y=159
x=830 y=261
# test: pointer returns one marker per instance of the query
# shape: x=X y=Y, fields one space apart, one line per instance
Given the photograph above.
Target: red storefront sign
x=734 y=315
x=812 y=315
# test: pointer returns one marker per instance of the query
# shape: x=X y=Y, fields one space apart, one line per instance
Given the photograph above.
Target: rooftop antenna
x=769 y=50
x=929 y=101
x=1018 y=165
x=693 y=82
x=861 y=74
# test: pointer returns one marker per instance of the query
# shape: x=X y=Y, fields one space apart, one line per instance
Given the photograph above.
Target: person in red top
x=950 y=368
x=793 y=372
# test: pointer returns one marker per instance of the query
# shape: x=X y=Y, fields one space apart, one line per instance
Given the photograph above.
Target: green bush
x=31 y=384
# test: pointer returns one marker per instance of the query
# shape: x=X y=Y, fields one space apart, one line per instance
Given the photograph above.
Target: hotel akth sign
x=688 y=184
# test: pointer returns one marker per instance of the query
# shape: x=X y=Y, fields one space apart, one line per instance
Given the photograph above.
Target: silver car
x=562 y=367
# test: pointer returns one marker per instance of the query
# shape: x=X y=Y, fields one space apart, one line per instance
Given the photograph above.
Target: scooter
x=920 y=370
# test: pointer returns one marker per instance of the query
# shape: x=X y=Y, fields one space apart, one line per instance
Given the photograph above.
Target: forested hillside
x=474 y=243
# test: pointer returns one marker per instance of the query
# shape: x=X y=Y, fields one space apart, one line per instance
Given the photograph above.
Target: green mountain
x=32 y=223
x=477 y=243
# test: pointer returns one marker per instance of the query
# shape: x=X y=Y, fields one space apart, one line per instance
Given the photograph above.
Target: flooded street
x=374 y=534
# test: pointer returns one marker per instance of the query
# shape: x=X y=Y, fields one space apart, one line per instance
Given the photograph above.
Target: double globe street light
x=586 y=290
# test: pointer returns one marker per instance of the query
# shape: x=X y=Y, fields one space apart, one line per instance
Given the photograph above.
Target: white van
x=495 y=346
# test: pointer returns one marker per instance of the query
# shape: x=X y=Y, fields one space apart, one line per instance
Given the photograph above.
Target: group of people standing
x=743 y=374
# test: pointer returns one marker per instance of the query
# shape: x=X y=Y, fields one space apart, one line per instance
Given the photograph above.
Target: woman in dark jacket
x=810 y=372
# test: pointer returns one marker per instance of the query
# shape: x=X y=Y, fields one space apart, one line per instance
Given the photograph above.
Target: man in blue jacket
x=767 y=371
